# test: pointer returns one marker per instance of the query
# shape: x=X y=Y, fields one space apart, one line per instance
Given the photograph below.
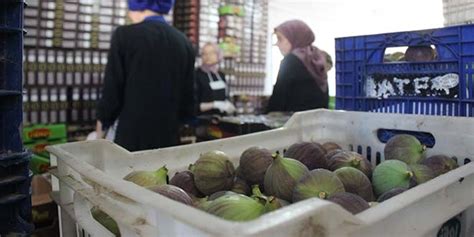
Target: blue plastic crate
x=10 y=125
x=11 y=45
x=11 y=74
x=445 y=86
x=15 y=194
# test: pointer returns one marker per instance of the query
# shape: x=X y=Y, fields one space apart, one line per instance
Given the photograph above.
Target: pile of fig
x=265 y=181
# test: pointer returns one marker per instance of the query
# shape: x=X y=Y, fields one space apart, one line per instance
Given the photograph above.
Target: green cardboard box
x=39 y=147
x=32 y=134
x=39 y=164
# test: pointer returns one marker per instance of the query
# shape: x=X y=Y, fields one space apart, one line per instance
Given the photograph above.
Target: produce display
x=264 y=182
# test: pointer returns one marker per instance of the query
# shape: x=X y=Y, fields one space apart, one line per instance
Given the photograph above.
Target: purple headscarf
x=159 y=6
x=301 y=38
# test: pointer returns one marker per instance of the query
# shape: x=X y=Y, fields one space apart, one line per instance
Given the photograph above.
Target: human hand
x=224 y=106
x=98 y=130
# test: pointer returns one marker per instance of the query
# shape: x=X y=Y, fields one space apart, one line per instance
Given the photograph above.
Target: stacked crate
x=15 y=194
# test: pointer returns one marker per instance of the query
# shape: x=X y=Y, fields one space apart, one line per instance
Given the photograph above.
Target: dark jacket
x=295 y=88
x=148 y=85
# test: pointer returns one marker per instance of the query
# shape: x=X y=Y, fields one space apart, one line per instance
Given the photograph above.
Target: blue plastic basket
x=15 y=194
x=11 y=74
x=15 y=177
x=11 y=44
x=445 y=86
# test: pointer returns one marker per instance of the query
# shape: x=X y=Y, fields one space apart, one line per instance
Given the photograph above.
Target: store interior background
x=330 y=19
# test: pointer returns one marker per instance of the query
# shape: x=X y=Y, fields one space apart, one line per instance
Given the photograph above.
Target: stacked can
x=65 y=55
x=245 y=63
x=186 y=19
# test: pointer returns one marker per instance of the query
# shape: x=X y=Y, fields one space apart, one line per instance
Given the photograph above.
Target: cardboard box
x=44 y=132
x=44 y=210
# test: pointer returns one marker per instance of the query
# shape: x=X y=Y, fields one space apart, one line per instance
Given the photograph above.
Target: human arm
x=111 y=101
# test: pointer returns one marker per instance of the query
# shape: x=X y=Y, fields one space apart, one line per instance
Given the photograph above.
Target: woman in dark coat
x=149 y=79
x=302 y=79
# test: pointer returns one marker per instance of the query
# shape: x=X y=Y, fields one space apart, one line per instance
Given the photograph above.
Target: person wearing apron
x=212 y=91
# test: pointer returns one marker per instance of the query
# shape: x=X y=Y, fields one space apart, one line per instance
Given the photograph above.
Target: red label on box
x=39 y=133
x=39 y=148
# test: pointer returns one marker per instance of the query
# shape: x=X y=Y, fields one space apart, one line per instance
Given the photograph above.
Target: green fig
x=390 y=193
x=349 y=201
x=331 y=146
x=236 y=208
x=282 y=175
x=406 y=148
x=350 y=159
x=240 y=186
x=274 y=203
x=148 y=178
x=356 y=182
x=253 y=163
x=421 y=173
x=391 y=174
x=219 y=194
x=185 y=180
x=311 y=154
x=318 y=183
x=271 y=203
x=440 y=164
x=213 y=172
x=173 y=192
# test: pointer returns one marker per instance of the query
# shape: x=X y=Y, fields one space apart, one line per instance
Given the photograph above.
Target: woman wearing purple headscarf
x=302 y=79
x=149 y=79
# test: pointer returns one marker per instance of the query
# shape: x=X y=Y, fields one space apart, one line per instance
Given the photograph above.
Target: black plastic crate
x=15 y=194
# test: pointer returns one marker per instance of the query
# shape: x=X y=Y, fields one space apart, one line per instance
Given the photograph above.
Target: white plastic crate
x=90 y=174
x=457 y=12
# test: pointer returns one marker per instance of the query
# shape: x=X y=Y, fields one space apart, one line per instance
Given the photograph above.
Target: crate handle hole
x=467 y=161
x=425 y=138
x=415 y=53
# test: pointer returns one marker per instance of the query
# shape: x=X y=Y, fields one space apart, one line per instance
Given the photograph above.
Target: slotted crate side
x=363 y=79
x=104 y=165
x=11 y=46
x=15 y=178
x=15 y=194
x=10 y=122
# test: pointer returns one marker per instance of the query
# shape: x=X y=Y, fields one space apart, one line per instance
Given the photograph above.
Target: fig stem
x=355 y=162
x=423 y=148
x=256 y=191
